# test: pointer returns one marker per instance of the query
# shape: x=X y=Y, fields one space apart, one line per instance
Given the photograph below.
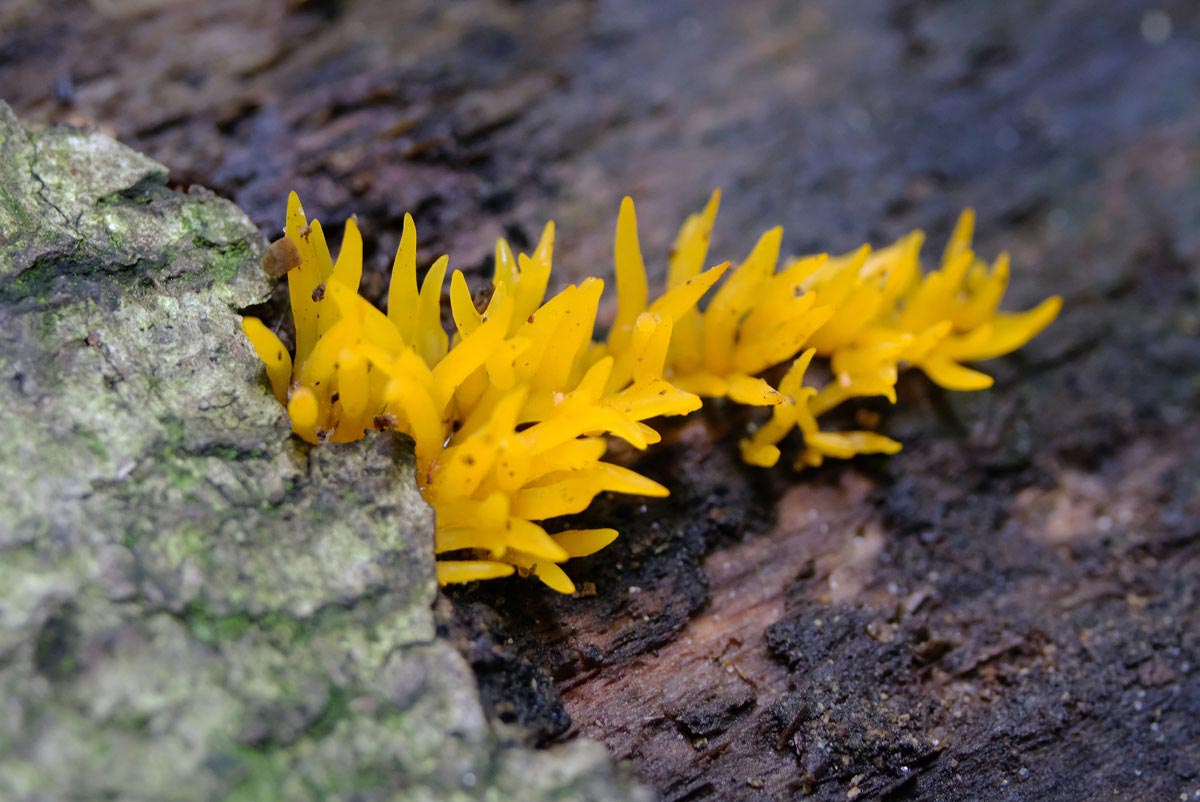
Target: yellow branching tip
x=511 y=416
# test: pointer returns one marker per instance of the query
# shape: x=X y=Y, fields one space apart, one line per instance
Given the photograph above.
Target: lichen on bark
x=193 y=604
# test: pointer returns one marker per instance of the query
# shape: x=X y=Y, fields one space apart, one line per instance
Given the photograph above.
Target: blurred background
x=1041 y=537
x=843 y=120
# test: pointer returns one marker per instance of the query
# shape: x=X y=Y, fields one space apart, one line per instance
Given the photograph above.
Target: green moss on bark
x=193 y=604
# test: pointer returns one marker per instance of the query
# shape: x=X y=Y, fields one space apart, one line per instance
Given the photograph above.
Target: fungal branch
x=511 y=415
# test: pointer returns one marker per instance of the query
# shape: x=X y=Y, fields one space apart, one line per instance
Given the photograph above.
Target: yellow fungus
x=462 y=306
x=450 y=572
x=582 y=542
x=303 y=281
x=347 y=271
x=402 y=307
x=533 y=277
x=271 y=351
x=430 y=339
x=304 y=410
x=632 y=291
x=511 y=417
x=554 y=577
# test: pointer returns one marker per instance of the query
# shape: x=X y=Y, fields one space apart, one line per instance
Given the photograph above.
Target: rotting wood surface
x=1007 y=609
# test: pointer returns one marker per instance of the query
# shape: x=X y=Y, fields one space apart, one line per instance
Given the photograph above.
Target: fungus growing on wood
x=511 y=416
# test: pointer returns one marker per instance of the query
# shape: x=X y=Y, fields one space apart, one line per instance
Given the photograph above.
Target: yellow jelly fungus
x=511 y=416
x=796 y=410
x=273 y=353
x=755 y=320
x=889 y=314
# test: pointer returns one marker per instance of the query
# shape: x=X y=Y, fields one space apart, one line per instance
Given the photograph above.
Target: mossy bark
x=193 y=604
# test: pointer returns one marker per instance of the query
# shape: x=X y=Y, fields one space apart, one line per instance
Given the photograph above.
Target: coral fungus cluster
x=510 y=417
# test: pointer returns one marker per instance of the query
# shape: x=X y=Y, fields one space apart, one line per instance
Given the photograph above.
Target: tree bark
x=1005 y=610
